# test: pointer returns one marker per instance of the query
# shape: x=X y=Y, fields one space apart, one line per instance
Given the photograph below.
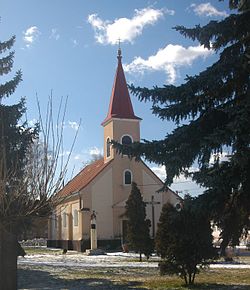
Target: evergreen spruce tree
x=215 y=106
x=31 y=171
x=138 y=235
x=15 y=139
x=184 y=241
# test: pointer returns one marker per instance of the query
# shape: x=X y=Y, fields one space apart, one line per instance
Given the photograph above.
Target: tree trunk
x=185 y=279
x=193 y=277
x=8 y=260
x=189 y=278
x=223 y=246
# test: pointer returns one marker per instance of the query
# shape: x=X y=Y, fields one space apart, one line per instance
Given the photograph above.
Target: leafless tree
x=32 y=194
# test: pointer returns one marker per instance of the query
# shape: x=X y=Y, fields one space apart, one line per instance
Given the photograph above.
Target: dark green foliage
x=215 y=106
x=184 y=240
x=138 y=227
x=15 y=137
x=15 y=140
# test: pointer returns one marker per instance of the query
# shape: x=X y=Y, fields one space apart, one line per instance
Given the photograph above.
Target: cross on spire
x=119 y=55
x=119 y=43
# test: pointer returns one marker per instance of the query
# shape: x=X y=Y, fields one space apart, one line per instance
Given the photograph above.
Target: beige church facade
x=104 y=186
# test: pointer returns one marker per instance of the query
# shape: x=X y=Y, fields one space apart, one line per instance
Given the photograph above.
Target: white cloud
x=75 y=42
x=125 y=29
x=78 y=157
x=208 y=10
x=95 y=151
x=86 y=155
x=223 y=156
x=74 y=125
x=159 y=171
x=167 y=59
x=30 y=35
x=64 y=153
x=54 y=34
x=32 y=122
x=181 y=184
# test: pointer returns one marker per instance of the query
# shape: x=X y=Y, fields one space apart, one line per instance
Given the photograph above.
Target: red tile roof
x=120 y=105
x=83 y=178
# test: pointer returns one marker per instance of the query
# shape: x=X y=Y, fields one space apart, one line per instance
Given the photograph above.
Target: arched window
x=54 y=219
x=108 y=147
x=126 y=140
x=75 y=217
x=127 y=177
x=64 y=219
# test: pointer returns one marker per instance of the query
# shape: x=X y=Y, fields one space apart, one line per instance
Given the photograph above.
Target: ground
x=50 y=269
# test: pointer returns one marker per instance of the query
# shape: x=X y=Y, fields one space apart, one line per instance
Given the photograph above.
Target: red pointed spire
x=120 y=105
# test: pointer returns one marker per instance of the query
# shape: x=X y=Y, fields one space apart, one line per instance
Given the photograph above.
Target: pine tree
x=15 y=140
x=215 y=106
x=138 y=226
x=31 y=169
x=184 y=241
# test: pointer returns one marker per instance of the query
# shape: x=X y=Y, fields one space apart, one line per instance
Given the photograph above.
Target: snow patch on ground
x=113 y=260
x=230 y=266
x=118 y=259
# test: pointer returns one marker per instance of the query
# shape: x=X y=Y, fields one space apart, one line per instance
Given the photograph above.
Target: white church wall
x=102 y=201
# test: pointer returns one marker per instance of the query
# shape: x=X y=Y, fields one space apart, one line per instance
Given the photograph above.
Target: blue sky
x=69 y=48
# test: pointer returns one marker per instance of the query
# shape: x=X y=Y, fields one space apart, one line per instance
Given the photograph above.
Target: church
x=103 y=186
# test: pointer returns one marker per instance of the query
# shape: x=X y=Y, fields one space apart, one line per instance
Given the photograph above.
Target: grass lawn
x=110 y=278
x=122 y=277
x=41 y=251
x=209 y=280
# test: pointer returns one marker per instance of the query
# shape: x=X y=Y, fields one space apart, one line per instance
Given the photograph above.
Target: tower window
x=127 y=177
x=108 y=147
x=126 y=140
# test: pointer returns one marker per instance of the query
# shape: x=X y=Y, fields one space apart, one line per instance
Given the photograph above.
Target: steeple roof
x=120 y=105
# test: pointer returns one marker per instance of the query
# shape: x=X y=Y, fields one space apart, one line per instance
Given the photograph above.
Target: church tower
x=121 y=124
